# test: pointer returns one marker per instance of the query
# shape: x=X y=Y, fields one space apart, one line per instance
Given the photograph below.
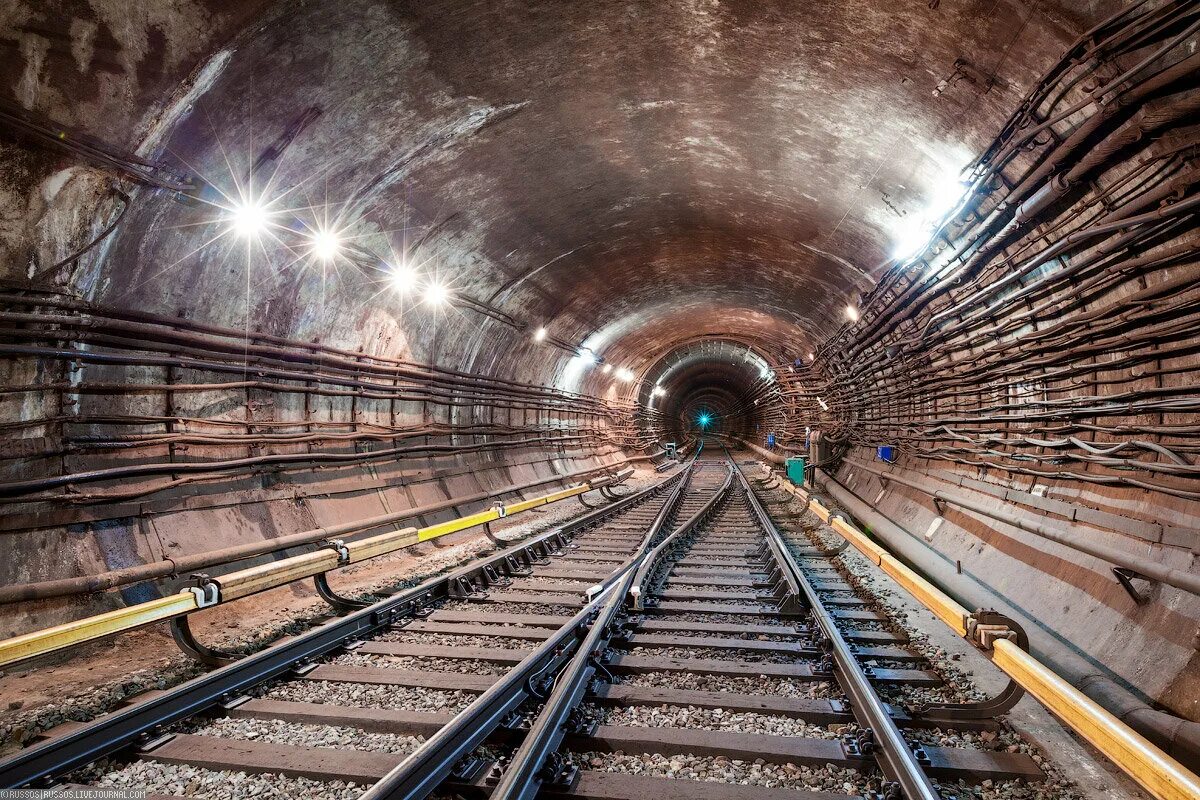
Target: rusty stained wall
x=629 y=174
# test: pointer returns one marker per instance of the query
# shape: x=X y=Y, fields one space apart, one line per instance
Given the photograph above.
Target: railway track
x=752 y=667
x=341 y=705
x=675 y=634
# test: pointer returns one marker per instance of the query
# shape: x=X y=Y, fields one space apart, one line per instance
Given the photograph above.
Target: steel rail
x=1128 y=749
x=896 y=758
x=37 y=766
x=433 y=762
x=534 y=763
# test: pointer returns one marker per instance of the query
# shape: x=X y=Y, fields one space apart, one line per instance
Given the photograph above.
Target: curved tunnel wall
x=636 y=179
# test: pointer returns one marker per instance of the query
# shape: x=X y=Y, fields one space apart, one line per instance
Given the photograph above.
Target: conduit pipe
x=88 y=584
x=1180 y=738
x=1189 y=582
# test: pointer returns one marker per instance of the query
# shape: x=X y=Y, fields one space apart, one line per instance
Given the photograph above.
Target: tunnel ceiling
x=629 y=174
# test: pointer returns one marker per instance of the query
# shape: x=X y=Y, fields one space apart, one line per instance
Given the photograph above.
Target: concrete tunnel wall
x=640 y=179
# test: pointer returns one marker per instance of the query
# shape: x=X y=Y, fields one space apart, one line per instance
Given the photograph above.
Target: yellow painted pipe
x=252 y=580
x=1156 y=772
x=33 y=644
x=941 y=604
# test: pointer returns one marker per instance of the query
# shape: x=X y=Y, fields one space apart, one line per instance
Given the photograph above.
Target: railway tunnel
x=283 y=280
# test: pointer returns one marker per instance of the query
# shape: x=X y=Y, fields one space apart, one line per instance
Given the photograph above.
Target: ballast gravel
x=455 y=640
x=483 y=609
x=184 y=780
x=462 y=666
x=361 y=695
x=710 y=719
x=718 y=654
x=718 y=618
x=748 y=636
x=719 y=769
x=276 y=731
x=737 y=684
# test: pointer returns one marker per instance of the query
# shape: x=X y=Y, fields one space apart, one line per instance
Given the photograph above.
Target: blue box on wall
x=886 y=452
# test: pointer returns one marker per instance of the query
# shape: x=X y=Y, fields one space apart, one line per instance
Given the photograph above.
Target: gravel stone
x=455 y=640
x=710 y=719
x=719 y=769
x=718 y=654
x=483 y=609
x=275 y=731
x=361 y=695
x=739 y=684
x=187 y=781
x=458 y=665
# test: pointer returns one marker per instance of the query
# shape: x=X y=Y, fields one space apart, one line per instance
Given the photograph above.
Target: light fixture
x=915 y=230
x=539 y=335
x=436 y=294
x=586 y=356
x=812 y=356
x=248 y=218
x=403 y=278
x=703 y=420
x=851 y=312
x=946 y=196
x=658 y=391
x=325 y=244
x=912 y=236
x=607 y=368
x=624 y=375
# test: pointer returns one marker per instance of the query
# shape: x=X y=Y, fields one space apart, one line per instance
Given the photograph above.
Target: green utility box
x=795 y=470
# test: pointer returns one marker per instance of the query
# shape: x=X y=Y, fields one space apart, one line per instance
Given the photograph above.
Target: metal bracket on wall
x=1126 y=576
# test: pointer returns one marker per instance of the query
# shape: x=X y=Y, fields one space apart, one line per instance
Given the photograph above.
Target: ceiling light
x=812 y=356
x=403 y=278
x=325 y=244
x=912 y=236
x=607 y=368
x=946 y=196
x=658 y=391
x=248 y=218
x=539 y=335
x=436 y=294
x=624 y=375
x=851 y=312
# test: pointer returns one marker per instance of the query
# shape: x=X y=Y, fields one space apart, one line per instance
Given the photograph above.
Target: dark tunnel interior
x=267 y=268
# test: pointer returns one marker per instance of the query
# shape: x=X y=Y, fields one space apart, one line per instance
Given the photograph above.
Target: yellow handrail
x=234 y=585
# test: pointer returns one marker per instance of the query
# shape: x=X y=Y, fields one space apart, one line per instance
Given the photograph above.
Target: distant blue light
x=703 y=420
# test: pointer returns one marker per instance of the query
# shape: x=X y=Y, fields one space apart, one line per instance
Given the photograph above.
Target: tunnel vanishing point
x=276 y=277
